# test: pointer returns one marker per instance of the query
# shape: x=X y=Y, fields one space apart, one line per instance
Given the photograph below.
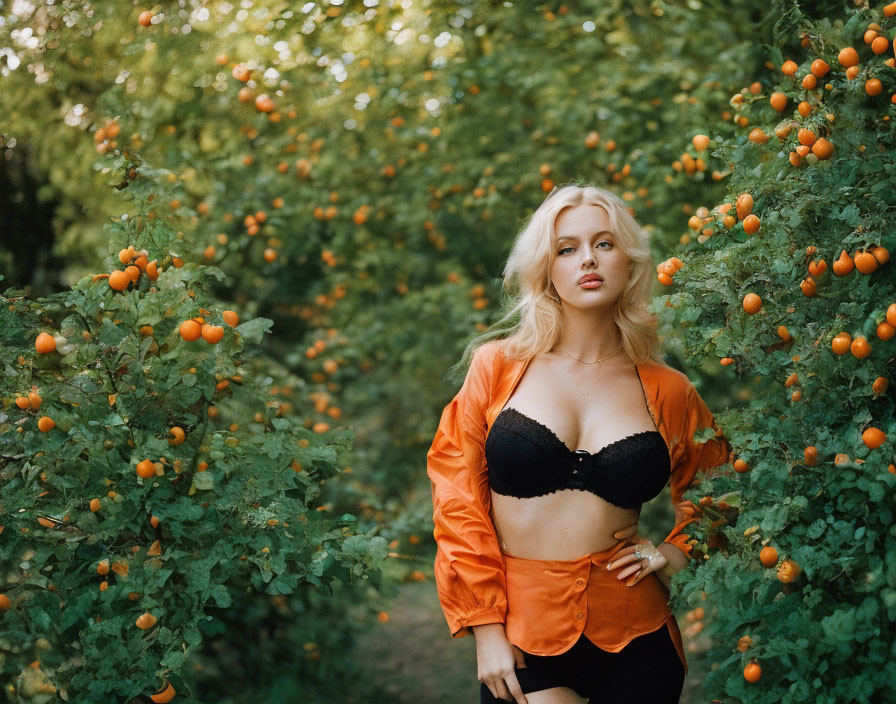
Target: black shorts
x=648 y=669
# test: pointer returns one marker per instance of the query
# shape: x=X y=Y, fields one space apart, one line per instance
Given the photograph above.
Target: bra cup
x=520 y=466
x=526 y=459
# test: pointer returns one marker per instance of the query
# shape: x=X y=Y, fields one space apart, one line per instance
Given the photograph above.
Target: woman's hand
x=652 y=560
x=497 y=659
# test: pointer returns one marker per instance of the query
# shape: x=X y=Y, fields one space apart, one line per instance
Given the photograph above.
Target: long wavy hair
x=531 y=324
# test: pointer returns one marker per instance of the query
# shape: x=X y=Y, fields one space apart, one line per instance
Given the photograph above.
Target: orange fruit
x=788 y=68
x=808 y=287
x=126 y=255
x=133 y=272
x=701 y=142
x=176 y=435
x=146 y=469
x=841 y=342
x=768 y=556
x=146 y=621
x=270 y=254
x=822 y=148
x=865 y=262
x=874 y=438
x=810 y=456
x=744 y=643
x=860 y=348
x=190 y=330
x=740 y=466
x=5 y=603
x=22 y=402
x=843 y=265
x=810 y=81
x=788 y=571
x=145 y=18
x=757 y=136
x=778 y=101
x=102 y=567
x=873 y=86
x=119 y=280
x=751 y=224
x=752 y=303
x=752 y=672
x=231 y=318
x=817 y=268
x=848 y=57
x=879 y=45
x=212 y=333
x=94 y=505
x=820 y=67
x=806 y=137
x=744 y=205
x=45 y=343
x=34 y=400
x=164 y=695
x=46 y=424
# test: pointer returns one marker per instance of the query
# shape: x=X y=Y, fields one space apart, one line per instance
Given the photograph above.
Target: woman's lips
x=594 y=283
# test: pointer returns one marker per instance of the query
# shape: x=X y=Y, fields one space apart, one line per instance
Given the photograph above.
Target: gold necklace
x=595 y=361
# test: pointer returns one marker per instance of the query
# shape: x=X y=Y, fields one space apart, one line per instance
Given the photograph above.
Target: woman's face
x=585 y=245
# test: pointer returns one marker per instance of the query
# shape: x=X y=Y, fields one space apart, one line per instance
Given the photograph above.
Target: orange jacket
x=470 y=568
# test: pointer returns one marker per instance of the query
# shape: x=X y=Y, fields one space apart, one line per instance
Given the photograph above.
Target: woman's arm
x=676 y=560
x=469 y=566
x=696 y=457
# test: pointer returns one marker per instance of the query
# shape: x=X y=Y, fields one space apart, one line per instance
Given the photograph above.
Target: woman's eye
x=599 y=243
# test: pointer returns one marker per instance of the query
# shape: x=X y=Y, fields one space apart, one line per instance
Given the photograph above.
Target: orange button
x=580 y=615
x=580 y=582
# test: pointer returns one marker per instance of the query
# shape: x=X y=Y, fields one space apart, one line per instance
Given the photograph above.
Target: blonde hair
x=532 y=299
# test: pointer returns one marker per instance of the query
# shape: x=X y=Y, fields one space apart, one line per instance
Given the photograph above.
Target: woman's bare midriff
x=587 y=409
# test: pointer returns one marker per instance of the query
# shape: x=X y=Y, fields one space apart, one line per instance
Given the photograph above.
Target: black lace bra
x=526 y=458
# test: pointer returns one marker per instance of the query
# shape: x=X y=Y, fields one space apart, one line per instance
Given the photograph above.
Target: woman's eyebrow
x=572 y=237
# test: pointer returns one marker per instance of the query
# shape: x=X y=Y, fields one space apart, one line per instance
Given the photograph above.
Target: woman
x=541 y=462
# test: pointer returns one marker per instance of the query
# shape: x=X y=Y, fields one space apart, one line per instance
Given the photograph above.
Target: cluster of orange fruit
x=865 y=262
x=194 y=328
x=860 y=347
x=665 y=271
x=104 y=137
x=136 y=263
x=32 y=402
x=788 y=570
x=703 y=219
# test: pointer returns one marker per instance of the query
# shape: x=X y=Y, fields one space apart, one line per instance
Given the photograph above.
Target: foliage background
x=406 y=144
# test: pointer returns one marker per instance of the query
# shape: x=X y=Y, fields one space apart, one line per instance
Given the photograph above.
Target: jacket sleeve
x=698 y=454
x=469 y=566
